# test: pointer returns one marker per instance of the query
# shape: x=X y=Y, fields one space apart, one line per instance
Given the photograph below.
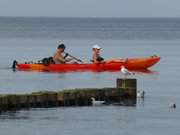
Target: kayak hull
x=131 y=64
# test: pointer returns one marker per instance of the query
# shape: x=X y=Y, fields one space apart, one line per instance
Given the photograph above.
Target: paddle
x=73 y=57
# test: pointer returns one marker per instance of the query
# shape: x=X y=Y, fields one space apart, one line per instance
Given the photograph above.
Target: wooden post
x=126 y=83
x=130 y=86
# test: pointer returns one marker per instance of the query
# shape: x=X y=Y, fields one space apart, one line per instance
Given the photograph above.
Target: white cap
x=96 y=47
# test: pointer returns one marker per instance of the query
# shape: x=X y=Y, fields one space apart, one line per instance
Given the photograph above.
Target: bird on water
x=172 y=105
x=97 y=102
x=140 y=94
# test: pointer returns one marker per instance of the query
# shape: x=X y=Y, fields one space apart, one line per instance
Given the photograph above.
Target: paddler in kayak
x=96 y=58
x=58 y=56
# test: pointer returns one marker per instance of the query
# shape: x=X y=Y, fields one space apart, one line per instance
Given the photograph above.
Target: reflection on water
x=106 y=118
x=144 y=71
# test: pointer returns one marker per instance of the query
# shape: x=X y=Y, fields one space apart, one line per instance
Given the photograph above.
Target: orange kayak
x=130 y=63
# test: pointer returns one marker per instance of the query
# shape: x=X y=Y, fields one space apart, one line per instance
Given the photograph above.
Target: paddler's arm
x=68 y=60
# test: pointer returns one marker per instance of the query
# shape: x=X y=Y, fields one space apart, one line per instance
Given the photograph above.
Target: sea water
x=26 y=39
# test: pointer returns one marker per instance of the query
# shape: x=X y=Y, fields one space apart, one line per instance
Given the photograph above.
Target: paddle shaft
x=74 y=57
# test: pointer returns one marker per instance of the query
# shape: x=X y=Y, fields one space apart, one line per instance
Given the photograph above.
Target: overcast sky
x=91 y=8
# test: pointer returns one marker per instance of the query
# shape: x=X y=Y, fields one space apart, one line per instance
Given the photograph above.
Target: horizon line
x=89 y=17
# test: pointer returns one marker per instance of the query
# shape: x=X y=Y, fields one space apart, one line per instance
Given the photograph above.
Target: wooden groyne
x=123 y=94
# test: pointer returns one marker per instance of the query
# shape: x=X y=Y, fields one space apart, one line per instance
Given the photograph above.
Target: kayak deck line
x=123 y=94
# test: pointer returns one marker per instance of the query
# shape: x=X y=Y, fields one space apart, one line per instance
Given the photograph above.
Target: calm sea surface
x=26 y=39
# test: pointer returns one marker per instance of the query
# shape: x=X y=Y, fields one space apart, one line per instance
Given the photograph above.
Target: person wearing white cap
x=96 y=47
x=96 y=54
x=96 y=58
